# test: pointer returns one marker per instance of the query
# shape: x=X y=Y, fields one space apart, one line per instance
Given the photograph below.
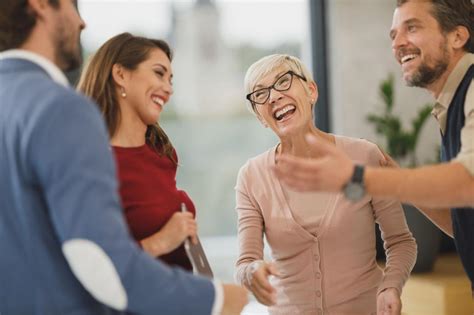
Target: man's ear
x=39 y=7
x=460 y=35
x=118 y=74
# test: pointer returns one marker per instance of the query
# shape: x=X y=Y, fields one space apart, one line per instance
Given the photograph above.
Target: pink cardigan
x=335 y=272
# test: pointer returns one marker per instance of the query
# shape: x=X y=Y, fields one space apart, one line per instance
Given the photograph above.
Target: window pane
x=207 y=118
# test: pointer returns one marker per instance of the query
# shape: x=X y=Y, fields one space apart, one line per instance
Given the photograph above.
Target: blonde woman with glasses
x=322 y=244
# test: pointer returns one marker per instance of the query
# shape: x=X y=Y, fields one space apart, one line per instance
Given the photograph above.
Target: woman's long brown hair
x=97 y=82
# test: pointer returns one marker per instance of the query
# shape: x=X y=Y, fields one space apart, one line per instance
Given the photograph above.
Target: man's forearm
x=438 y=186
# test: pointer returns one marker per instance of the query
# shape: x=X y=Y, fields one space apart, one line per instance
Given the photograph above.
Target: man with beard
x=65 y=245
x=433 y=40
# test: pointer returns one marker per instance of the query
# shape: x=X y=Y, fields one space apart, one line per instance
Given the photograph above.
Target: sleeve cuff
x=390 y=284
x=251 y=268
x=218 y=298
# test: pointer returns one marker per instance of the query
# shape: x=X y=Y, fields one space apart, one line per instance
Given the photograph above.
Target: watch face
x=354 y=191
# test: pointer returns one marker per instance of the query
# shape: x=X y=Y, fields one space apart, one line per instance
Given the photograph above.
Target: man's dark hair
x=453 y=13
x=17 y=20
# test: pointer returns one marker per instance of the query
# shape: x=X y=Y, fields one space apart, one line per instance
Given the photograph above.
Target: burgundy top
x=149 y=194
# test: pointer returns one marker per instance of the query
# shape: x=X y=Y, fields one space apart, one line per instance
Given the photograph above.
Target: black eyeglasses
x=283 y=83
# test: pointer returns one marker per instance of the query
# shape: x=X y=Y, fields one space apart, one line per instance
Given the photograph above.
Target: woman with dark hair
x=130 y=78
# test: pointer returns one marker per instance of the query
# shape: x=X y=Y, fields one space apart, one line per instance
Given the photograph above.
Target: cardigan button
x=318 y=275
x=318 y=293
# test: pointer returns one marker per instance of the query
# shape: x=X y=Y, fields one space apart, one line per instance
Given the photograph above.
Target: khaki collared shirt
x=440 y=111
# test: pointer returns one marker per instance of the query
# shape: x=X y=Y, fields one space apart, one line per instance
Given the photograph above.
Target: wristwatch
x=354 y=190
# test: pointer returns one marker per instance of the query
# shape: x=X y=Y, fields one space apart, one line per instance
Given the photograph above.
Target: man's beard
x=68 y=54
x=425 y=74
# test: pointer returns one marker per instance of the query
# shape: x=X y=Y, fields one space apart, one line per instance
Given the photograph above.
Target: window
x=207 y=119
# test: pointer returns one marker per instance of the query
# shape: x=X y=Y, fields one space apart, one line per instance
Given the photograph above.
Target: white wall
x=360 y=57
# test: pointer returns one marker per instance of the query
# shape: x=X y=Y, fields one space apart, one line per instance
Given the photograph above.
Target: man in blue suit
x=65 y=246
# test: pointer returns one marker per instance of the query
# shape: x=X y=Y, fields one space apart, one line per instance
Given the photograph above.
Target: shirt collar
x=50 y=68
x=454 y=79
x=440 y=109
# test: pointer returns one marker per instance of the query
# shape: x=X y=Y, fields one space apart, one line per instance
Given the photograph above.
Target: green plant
x=400 y=143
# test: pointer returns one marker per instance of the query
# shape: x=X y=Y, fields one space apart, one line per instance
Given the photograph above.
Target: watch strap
x=358 y=175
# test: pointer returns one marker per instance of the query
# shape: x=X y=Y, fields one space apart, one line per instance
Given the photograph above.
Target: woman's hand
x=388 y=302
x=387 y=160
x=261 y=288
x=176 y=230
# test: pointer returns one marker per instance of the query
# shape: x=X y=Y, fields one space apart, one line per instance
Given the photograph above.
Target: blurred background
x=344 y=42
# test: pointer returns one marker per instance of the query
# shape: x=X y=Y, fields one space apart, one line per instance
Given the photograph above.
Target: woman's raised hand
x=387 y=160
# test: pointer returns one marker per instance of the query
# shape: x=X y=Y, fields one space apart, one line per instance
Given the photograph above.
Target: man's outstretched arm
x=437 y=186
x=434 y=186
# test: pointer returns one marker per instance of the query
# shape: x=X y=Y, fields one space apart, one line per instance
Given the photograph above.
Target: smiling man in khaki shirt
x=434 y=43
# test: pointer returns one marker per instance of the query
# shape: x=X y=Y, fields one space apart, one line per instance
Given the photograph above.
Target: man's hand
x=330 y=171
x=235 y=299
x=388 y=302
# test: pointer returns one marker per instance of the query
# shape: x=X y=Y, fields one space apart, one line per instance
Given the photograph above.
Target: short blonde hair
x=266 y=65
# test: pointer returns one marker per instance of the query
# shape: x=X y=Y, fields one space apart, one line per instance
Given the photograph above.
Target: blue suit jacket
x=58 y=184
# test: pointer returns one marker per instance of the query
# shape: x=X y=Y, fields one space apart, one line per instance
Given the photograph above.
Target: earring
x=123 y=94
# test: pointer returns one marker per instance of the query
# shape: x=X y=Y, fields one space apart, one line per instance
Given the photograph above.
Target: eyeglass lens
x=283 y=83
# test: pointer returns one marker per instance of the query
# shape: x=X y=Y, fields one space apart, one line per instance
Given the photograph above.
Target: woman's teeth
x=281 y=113
x=158 y=101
